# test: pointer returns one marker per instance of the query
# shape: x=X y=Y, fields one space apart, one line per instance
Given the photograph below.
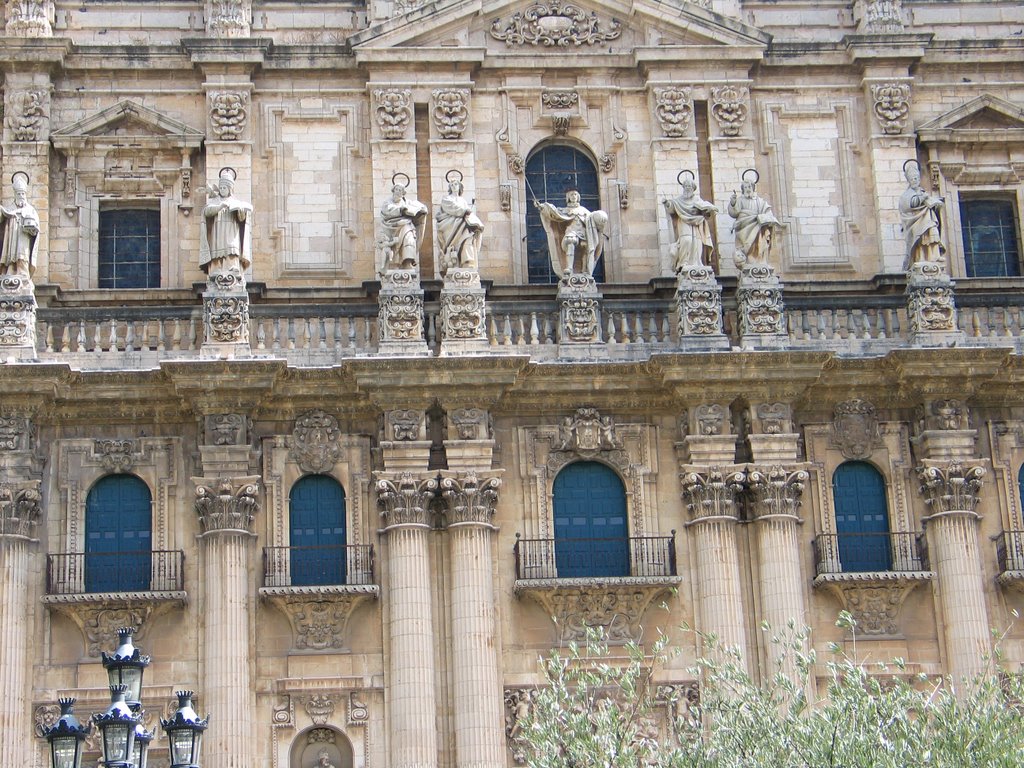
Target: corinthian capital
x=404 y=498
x=227 y=504
x=712 y=492
x=470 y=497
x=20 y=508
x=776 y=490
x=951 y=486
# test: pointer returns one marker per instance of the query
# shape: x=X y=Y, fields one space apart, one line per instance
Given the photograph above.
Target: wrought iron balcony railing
x=644 y=556
x=870 y=553
x=1010 y=551
x=318 y=566
x=81 y=573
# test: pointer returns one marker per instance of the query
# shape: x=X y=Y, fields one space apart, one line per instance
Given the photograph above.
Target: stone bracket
x=99 y=615
x=874 y=599
x=319 y=615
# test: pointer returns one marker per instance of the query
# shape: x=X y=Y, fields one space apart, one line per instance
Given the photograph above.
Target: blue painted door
x=862 y=518
x=591 y=536
x=317 y=532
x=118 y=535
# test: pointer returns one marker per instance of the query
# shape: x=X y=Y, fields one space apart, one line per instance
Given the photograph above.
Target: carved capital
x=29 y=18
x=950 y=487
x=776 y=490
x=470 y=498
x=227 y=504
x=20 y=508
x=712 y=493
x=404 y=498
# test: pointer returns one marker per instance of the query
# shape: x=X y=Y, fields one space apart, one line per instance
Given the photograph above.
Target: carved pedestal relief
x=313 y=716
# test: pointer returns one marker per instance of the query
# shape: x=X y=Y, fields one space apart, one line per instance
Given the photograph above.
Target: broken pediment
x=128 y=124
x=555 y=27
x=986 y=119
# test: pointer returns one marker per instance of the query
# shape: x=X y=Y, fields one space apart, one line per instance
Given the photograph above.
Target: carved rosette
x=17 y=312
x=462 y=315
x=393 y=111
x=404 y=498
x=776 y=491
x=950 y=487
x=712 y=493
x=674 y=110
x=27 y=113
x=555 y=24
x=699 y=303
x=20 y=508
x=227 y=319
x=29 y=18
x=228 y=18
x=228 y=114
x=891 y=106
x=228 y=504
x=470 y=498
x=879 y=16
x=729 y=108
x=931 y=306
x=316 y=442
x=615 y=609
x=855 y=428
x=451 y=112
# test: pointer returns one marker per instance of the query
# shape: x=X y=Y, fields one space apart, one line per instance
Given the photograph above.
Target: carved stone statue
x=754 y=226
x=459 y=229
x=19 y=232
x=920 y=215
x=575 y=235
x=228 y=230
x=323 y=760
x=691 y=226
x=403 y=220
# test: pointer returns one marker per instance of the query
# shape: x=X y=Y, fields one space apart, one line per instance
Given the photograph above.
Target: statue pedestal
x=400 y=313
x=931 y=308
x=226 y=317
x=699 y=308
x=759 y=306
x=463 y=313
x=579 y=318
x=17 y=317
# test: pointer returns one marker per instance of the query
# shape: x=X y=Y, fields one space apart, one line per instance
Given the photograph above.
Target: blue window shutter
x=118 y=535
x=591 y=530
x=317 y=529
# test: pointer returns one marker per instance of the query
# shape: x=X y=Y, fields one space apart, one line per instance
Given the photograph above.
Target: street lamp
x=126 y=665
x=117 y=727
x=66 y=737
x=185 y=733
x=140 y=753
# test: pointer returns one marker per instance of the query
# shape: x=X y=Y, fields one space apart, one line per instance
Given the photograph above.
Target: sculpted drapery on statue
x=228 y=230
x=403 y=220
x=459 y=229
x=755 y=223
x=920 y=215
x=575 y=235
x=19 y=232
x=691 y=226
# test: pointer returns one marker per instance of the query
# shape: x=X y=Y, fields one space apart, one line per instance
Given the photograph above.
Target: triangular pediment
x=128 y=122
x=985 y=118
x=555 y=28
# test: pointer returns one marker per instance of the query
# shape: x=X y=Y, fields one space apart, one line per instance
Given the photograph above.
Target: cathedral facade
x=360 y=354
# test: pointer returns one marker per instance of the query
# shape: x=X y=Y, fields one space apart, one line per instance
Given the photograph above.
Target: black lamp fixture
x=140 y=752
x=117 y=728
x=185 y=733
x=66 y=737
x=126 y=665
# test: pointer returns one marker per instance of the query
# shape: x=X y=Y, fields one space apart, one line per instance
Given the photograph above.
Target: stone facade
x=450 y=400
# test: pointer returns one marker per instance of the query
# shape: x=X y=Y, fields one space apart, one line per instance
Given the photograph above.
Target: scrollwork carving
x=404 y=498
x=451 y=112
x=776 y=490
x=559 y=99
x=951 y=487
x=227 y=504
x=710 y=418
x=393 y=111
x=319 y=708
x=729 y=108
x=555 y=24
x=674 y=110
x=470 y=498
x=316 y=441
x=891 y=106
x=115 y=455
x=855 y=428
x=27 y=113
x=228 y=114
x=226 y=429
x=29 y=18
x=712 y=493
x=20 y=508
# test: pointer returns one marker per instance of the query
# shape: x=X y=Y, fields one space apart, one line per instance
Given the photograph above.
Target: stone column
x=227 y=507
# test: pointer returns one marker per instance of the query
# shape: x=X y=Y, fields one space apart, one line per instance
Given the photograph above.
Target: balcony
x=1010 y=556
x=154 y=575
x=333 y=566
x=635 y=557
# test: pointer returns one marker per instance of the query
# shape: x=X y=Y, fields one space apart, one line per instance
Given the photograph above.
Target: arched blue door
x=591 y=536
x=317 y=531
x=118 y=535
x=862 y=517
x=550 y=172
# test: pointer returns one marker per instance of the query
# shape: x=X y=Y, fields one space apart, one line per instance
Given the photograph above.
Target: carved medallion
x=315 y=442
x=555 y=23
x=855 y=428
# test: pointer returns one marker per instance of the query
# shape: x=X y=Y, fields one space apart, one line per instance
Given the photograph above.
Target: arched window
x=591 y=535
x=862 y=517
x=118 y=535
x=317 y=532
x=550 y=171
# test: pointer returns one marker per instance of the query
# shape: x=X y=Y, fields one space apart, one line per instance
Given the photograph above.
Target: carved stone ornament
x=674 y=110
x=776 y=418
x=451 y=112
x=405 y=425
x=228 y=18
x=555 y=23
x=44 y=717
x=226 y=429
x=729 y=108
x=891 y=106
x=319 y=708
x=560 y=99
x=321 y=736
x=228 y=114
x=29 y=18
x=358 y=712
x=316 y=442
x=27 y=113
x=616 y=610
x=946 y=415
x=879 y=16
x=319 y=620
x=404 y=498
x=950 y=487
x=17 y=312
x=587 y=434
x=227 y=504
x=15 y=434
x=712 y=493
x=518 y=705
x=100 y=622
x=699 y=303
x=710 y=419
x=759 y=299
x=393 y=111
x=470 y=498
x=469 y=424
x=227 y=319
x=623 y=189
x=115 y=455
x=560 y=124
x=683 y=702
x=874 y=600
x=400 y=315
x=505 y=197
x=606 y=162
x=931 y=306
x=855 y=428
x=463 y=315
x=776 y=491
x=20 y=508
x=516 y=164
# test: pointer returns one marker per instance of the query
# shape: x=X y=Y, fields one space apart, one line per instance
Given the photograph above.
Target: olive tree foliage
x=596 y=712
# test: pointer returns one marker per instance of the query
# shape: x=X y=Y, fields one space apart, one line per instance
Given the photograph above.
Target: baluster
x=638 y=328
x=176 y=335
x=97 y=334
x=610 y=333
x=161 y=336
x=65 y=339
x=193 y=341
x=506 y=332
x=321 y=329
x=492 y=331
x=261 y=335
x=352 y=321
x=652 y=328
x=534 y=330
x=145 y=344
x=975 y=324
x=820 y=324
x=49 y=337
x=666 y=328
x=520 y=328
x=81 y=337
x=129 y=337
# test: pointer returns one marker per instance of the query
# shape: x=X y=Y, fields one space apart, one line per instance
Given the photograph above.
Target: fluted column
x=227 y=508
x=404 y=498
x=710 y=496
x=776 y=492
x=951 y=491
x=479 y=728
x=19 y=515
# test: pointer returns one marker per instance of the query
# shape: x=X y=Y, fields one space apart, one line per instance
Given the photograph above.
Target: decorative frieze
x=674 y=110
x=776 y=491
x=729 y=108
x=227 y=504
x=393 y=111
x=27 y=112
x=712 y=493
x=874 y=599
x=404 y=498
x=555 y=24
x=29 y=18
x=559 y=99
x=451 y=112
x=470 y=498
x=775 y=418
x=20 y=508
x=228 y=114
x=891 y=106
x=950 y=487
x=316 y=442
x=855 y=428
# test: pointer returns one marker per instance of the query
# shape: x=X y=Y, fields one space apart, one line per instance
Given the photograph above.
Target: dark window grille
x=990 y=232
x=129 y=248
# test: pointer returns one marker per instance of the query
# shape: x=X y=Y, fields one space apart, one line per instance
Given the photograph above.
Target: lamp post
x=185 y=733
x=117 y=727
x=66 y=737
x=126 y=665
